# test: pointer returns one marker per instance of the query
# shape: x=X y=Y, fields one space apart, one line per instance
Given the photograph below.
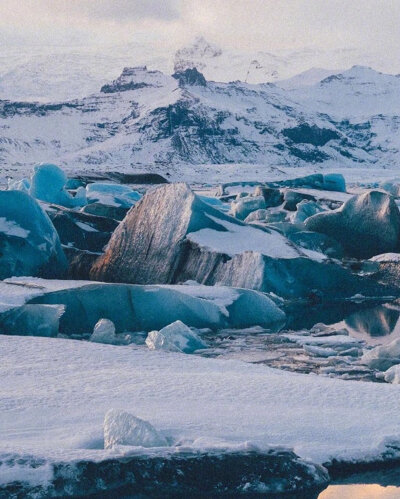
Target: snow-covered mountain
x=158 y=121
x=60 y=73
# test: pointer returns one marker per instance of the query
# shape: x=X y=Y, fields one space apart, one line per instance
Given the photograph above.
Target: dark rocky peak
x=190 y=77
x=134 y=78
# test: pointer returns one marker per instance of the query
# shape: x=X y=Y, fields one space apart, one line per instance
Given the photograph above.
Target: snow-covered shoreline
x=56 y=392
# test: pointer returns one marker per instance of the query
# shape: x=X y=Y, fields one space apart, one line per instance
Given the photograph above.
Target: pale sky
x=249 y=25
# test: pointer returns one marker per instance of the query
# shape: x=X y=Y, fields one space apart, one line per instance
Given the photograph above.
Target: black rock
x=190 y=77
x=293 y=198
x=275 y=474
x=272 y=197
x=81 y=230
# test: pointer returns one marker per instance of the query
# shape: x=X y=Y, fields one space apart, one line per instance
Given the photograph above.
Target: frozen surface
x=55 y=409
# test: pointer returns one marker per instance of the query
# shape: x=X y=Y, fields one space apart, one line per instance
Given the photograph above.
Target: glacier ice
x=48 y=184
x=244 y=206
x=32 y=320
x=293 y=198
x=116 y=195
x=391 y=187
x=315 y=241
x=104 y=332
x=334 y=182
x=123 y=428
x=305 y=209
x=256 y=216
x=147 y=308
x=29 y=243
x=366 y=225
x=392 y=375
x=81 y=230
x=19 y=185
x=175 y=337
x=327 y=182
x=172 y=236
x=384 y=356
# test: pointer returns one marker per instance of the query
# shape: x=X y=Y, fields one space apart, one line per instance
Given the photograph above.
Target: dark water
x=375 y=323
x=371 y=323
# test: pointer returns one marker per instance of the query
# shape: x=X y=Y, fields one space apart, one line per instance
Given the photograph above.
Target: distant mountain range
x=156 y=121
x=58 y=73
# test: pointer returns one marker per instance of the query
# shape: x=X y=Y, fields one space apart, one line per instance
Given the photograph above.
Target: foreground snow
x=55 y=394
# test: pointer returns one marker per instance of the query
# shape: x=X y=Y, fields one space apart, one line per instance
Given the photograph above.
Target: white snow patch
x=11 y=228
x=237 y=239
x=220 y=295
x=386 y=257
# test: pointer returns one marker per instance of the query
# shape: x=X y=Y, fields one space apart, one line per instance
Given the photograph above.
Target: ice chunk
x=383 y=356
x=81 y=230
x=112 y=194
x=256 y=216
x=366 y=225
x=328 y=182
x=217 y=203
x=29 y=243
x=294 y=198
x=104 y=332
x=392 y=375
x=32 y=320
x=176 y=337
x=131 y=308
x=334 y=182
x=306 y=209
x=19 y=185
x=123 y=428
x=172 y=236
x=48 y=184
x=316 y=241
x=244 y=206
x=391 y=187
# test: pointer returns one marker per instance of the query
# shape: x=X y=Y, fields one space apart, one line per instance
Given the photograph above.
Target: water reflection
x=376 y=324
x=360 y=491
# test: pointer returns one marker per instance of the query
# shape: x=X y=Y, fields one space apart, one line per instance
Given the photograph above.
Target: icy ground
x=56 y=392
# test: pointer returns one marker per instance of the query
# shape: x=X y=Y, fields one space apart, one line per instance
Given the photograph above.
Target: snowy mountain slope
x=307 y=78
x=151 y=120
x=59 y=73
